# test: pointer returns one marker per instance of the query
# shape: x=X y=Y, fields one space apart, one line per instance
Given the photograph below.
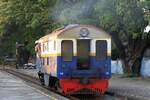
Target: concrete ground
x=31 y=72
x=13 y=88
x=132 y=87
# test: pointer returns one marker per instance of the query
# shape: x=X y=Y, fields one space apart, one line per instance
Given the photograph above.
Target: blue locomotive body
x=99 y=69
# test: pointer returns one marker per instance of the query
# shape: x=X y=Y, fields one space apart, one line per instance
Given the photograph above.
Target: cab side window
x=101 y=49
x=67 y=50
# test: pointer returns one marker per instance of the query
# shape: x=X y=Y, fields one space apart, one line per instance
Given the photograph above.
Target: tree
x=24 y=20
x=123 y=19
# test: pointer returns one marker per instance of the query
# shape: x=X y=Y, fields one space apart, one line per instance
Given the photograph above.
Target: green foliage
x=31 y=19
x=121 y=15
x=146 y=5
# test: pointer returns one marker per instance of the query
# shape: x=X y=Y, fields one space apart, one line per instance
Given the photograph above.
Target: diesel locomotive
x=76 y=58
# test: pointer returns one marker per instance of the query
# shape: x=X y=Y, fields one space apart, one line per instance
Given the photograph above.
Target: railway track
x=34 y=82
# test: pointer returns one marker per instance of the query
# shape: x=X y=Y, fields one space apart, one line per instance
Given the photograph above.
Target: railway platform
x=14 y=88
x=134 y=88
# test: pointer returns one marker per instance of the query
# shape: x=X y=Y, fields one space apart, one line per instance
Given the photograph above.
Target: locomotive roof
x=71 y=31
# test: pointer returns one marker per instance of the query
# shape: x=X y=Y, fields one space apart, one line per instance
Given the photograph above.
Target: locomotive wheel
x=46 y=79
x=41 y=77
x=57 y=87
x=52 y=81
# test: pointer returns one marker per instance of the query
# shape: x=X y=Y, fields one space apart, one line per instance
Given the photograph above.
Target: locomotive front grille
x=87 y=91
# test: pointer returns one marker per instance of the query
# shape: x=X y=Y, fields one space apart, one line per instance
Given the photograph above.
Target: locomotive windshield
x=83 y=54
x=67 y=50
x=101 y=49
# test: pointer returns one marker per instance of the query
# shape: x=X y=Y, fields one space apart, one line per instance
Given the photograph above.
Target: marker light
x=61 y=73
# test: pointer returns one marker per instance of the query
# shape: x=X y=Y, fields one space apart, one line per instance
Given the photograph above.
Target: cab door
x=83 y=54
x=67 y=60
x=102 y=61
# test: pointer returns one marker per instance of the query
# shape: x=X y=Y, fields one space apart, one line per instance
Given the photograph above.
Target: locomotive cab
x=85 y=55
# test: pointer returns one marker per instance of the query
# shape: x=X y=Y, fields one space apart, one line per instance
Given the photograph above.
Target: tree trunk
x=136 y=68
x=132 y=63
x=132 y=67
x=127 y=67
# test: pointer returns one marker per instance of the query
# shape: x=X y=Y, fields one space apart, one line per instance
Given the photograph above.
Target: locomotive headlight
x=84 y=32
x=61 y=73
x=107 y=73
